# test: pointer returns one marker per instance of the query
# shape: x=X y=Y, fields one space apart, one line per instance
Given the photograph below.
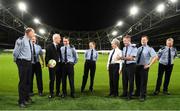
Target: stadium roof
x=83 y=15
x=90 y=20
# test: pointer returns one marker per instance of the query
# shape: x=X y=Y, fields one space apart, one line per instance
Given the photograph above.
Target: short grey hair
x=115 y=41
x=170 y=39
x=55 y=35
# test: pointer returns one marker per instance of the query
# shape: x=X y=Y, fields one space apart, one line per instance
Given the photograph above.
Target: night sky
x=80 y=15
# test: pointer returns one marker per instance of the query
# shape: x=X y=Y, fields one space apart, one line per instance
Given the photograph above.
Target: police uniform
x=36 y=69
x=144 y=54
x=91 y=56
x=166 y=62
x=69 y=58
x=23 y=57
x=128 y=71
x=113 y=66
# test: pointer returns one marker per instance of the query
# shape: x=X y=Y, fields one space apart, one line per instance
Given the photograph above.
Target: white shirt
x=117 y=53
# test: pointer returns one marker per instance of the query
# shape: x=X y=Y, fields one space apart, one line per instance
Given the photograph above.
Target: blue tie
x=65 y=55
x=140 y=55
x=111 y=56
x=34 y=54
x=126 y=55
x=30 y=48
x=91 y=58
x=169 y=57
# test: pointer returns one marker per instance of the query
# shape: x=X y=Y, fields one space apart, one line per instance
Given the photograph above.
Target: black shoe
x=50 y=96
x=40 y=94
x=73 y=96
x=91 y=90
x=64 y=95
x=82 y=90
x=123 y=95
x=142 y=99
x=31 y=94
x=156 y=93
x=129 y=98
x=28 y=101
x=116 y=95
x=58 y=95
x=136 y=95
x=166 y=93
x=110 y=95
x=22 y=105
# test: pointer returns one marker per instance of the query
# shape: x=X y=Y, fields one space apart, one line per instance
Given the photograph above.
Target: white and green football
x=52 y=63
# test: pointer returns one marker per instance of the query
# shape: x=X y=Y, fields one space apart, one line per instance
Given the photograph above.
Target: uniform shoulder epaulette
x=72 y=46
x=163 y=47
x=20 y=38
x=133 y=45
x=174 y=49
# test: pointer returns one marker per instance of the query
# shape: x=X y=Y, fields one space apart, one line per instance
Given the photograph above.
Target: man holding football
x=53 y=52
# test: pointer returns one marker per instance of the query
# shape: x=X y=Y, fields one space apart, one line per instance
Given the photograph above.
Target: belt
x=68 y=63
x=129 y=64
x=90 y=61
x=23 y=60
x=114 y=64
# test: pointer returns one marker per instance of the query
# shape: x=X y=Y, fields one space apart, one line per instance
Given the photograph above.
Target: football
x=52 y=63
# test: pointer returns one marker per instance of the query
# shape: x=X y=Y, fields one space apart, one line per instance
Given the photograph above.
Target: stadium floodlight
x=173 y=1
x=36 y=21
x=22 y=6
x=42 y=31
x=120 y=23
x=120 y=36
x=160 y=8
x=114 y=33
x=134 y=10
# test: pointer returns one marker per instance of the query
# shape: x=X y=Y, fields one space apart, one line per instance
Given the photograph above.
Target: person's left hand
x=120 y=71
x=146 y=66
x=42 y=65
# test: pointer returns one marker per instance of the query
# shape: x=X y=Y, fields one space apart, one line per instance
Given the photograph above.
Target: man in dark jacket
x=55 y=73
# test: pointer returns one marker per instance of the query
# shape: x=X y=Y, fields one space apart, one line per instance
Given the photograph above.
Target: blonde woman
x=114 y=67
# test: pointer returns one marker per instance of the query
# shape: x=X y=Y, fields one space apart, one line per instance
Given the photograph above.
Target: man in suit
x=55 y=73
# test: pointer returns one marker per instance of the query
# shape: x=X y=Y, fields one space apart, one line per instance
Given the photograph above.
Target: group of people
x=132 y=62
x=26 y=55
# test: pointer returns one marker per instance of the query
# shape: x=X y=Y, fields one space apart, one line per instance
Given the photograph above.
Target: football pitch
x=87 y=101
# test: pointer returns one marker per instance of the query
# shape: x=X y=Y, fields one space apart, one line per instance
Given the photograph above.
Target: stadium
x=159 y=19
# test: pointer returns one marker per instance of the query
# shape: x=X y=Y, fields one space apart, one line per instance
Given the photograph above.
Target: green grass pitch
x=86 y=101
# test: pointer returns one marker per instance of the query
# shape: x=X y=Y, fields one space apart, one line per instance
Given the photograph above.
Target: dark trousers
x=114 y=79
x=24 y=69
x=36 y=69
x=68 y=70
x=55 y=74
x=128 y=74
x=161 y=69
x=89 y=66
x=141 y=77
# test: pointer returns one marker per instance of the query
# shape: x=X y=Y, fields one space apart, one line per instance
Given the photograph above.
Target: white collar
x=55 y=44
